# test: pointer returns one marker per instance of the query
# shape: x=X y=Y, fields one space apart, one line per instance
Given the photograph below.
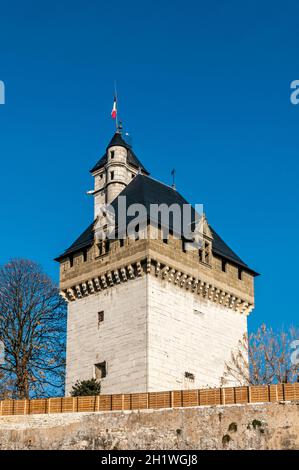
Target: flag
x=114 y=110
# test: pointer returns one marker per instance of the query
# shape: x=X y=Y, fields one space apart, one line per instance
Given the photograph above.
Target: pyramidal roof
x=132 y=159
x=146 y=191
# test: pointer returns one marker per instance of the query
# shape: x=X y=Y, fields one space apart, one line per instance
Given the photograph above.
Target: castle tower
x=146 y=313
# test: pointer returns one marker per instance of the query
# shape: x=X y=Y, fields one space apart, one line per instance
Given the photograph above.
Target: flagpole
x=116 y=98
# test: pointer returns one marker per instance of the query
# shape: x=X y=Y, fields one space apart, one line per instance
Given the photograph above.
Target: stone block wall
x=259 y=426
x=188 y=335
x=120 y=340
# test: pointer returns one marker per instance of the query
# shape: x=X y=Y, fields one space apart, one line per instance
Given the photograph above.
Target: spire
x=118 y=140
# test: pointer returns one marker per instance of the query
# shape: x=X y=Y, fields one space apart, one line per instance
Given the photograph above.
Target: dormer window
x=103 y=247
x=205 y=253
x=112 y=154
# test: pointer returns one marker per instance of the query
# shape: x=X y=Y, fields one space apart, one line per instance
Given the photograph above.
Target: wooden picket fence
x=153 y=400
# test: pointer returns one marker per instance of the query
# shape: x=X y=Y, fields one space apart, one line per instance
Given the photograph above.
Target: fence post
x=222 y=396
x=249 y=394
x=75 y=404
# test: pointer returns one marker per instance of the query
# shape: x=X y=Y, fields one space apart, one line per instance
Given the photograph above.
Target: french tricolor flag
x=114 y=110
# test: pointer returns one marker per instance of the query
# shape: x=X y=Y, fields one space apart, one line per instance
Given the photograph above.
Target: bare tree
x=265 y=357
x=32 y=329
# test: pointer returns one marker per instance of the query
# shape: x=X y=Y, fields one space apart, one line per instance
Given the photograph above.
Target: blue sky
x=203 y=87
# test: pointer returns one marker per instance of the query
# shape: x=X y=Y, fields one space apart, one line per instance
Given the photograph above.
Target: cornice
x=152 y=266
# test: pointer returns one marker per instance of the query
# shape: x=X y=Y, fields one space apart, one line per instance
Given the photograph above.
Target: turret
x=114 y=171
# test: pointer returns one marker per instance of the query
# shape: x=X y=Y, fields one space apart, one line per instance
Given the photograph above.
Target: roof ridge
x=160 y=182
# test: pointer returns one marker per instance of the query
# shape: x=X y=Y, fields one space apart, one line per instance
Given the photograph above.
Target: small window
x=132 y=175
x=223 y=265
x=121 y=242
x=112 y=175
x=240 y=272
x=112 y=154
x=100 y=370
x=101 y=176
x=190 y=376
x=100 y=317
x=71 y=258
x=165 y=240
x=84 y=255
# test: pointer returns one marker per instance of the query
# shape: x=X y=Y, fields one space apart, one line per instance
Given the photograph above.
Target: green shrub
x=84 y=388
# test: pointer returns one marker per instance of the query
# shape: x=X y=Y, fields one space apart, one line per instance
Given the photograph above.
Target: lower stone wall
x=252 y=426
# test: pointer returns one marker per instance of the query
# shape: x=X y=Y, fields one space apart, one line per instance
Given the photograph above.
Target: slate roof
x=131 y=157
x=145 y=190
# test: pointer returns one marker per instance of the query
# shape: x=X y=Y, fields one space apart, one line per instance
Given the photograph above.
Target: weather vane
x=173 y=178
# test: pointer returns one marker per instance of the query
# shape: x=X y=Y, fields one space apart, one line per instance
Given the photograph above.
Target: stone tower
x=144 y=312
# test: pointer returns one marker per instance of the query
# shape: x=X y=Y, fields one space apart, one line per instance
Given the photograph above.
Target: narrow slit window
x=100 y=317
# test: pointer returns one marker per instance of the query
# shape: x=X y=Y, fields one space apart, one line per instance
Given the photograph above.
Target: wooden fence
x=153 y=400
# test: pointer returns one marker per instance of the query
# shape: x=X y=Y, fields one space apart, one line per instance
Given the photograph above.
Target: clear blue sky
x=204 y=87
